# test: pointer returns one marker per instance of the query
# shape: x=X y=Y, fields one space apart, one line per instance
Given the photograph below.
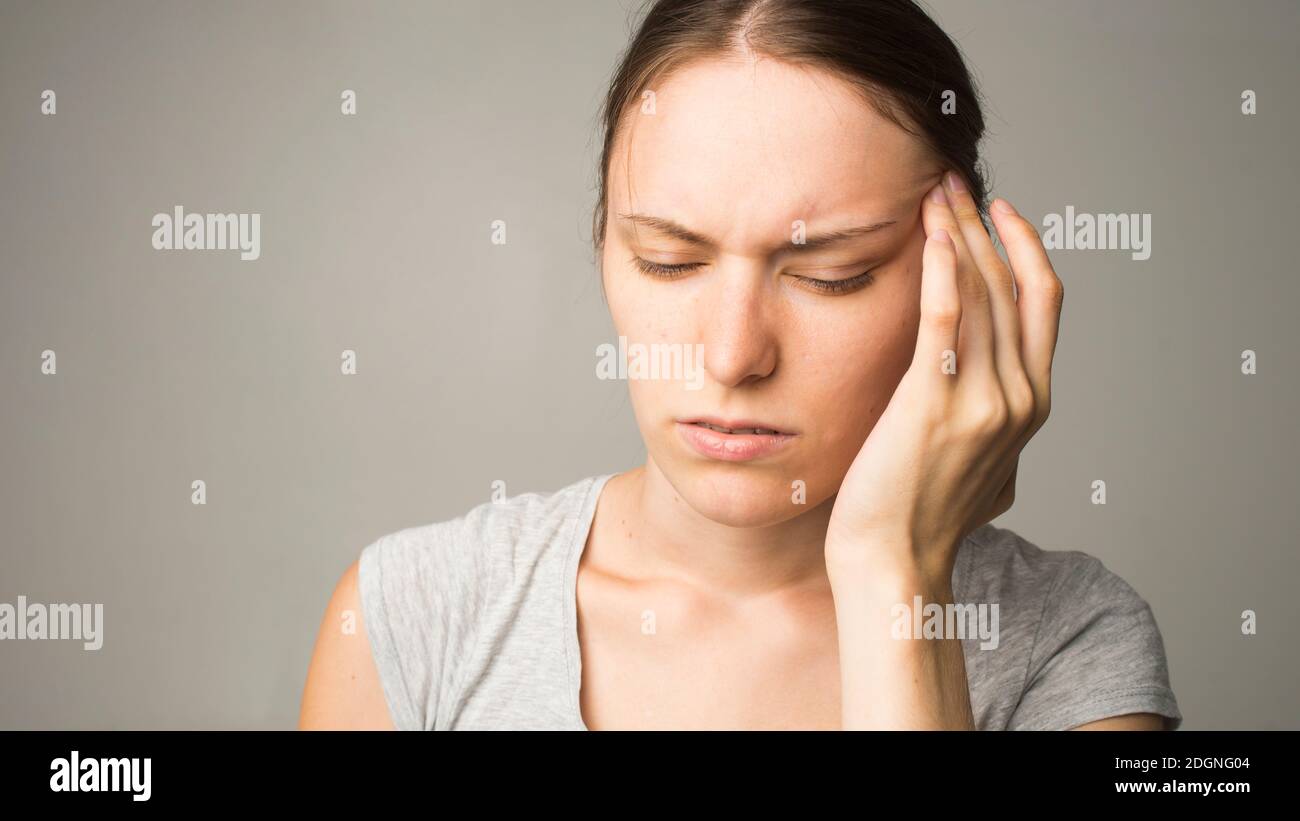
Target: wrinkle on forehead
x=739 y=149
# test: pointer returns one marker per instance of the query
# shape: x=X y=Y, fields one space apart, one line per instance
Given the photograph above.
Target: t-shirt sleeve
x=422 y=591
x=1097 y=653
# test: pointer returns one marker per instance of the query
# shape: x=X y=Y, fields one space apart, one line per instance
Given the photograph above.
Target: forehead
x=739 y=149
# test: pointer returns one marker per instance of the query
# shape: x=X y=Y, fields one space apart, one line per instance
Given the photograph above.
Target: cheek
x=641 y=309
x=855 y=358
x=645 y=313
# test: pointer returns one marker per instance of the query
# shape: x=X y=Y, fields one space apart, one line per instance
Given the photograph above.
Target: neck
x=667 y=537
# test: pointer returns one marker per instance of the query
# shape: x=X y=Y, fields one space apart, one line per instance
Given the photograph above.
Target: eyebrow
x=816 y=241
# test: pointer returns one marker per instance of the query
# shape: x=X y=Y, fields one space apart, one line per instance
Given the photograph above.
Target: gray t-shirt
x=472 y=623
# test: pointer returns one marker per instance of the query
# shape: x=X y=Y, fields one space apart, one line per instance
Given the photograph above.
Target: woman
x=808 y=544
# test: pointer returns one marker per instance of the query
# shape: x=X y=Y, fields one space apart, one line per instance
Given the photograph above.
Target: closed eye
x=825 y=286
x=839 y=286
x=657 y=269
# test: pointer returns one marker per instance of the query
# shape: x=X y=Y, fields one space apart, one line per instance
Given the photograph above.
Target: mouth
x=735 y=440
x=736 y=427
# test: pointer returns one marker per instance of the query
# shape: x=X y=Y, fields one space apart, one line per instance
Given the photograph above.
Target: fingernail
x=1003 y=206
x=940 y=235
x=937 y=195
x=954 y=182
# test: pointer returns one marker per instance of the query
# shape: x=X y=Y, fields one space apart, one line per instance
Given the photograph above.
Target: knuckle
x=1042 y=409
x=1021 y=400
x=943 y=317
x=989 y=416
x=997 y=417
x=1054 y=290
x=977 y=292
x=999 y=274
x=965 y=211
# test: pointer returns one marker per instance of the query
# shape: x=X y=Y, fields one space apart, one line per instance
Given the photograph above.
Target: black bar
x=237 y=769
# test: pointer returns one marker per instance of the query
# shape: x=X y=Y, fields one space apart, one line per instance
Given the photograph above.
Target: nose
x=737 y=328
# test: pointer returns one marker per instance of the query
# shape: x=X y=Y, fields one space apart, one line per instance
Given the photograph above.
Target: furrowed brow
x=667 y=226
x=814 y=242
x=817 y=241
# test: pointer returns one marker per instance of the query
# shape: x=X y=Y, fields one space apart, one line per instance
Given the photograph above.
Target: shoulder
x=1000 y=563
x=342 y=691
x=1089 y=644
x=476 y=547
x=425 y=591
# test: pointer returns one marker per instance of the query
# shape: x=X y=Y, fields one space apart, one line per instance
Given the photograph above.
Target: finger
x=997 y=280
x=941 y=310
x=975 y=343
x=1040 y=296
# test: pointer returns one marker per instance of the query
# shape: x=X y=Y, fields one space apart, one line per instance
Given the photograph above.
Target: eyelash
x=826 y=286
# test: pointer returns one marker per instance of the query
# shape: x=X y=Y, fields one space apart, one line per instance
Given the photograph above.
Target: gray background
x=476 y=362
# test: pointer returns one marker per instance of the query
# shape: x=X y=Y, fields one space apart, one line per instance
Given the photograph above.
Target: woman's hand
x=941 y=460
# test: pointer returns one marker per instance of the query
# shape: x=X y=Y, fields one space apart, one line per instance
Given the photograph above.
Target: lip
x=735 y=424
x=732 y=447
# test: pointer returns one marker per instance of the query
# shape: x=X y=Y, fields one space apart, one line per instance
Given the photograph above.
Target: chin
x=740 y=495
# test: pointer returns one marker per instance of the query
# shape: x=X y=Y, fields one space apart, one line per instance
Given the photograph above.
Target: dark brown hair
x=890 y=49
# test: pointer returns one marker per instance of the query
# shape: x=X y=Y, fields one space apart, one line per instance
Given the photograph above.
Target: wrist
x=889 y=566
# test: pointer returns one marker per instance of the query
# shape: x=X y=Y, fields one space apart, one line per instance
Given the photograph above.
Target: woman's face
x=751 y=158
